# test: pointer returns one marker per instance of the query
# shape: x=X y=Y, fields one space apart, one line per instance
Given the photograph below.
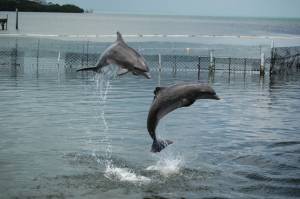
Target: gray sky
x=255 y=8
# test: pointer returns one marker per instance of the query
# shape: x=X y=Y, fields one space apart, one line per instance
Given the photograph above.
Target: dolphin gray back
x=167 y=99
x=121 y=54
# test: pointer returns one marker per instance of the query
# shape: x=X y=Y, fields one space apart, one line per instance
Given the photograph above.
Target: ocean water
x=102 y=27
x=85 y=136
x=65 y=134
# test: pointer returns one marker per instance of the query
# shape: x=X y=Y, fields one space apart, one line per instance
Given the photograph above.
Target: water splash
x=102 y=81
x=124 y=175
x=111 y=171
x=167 y=164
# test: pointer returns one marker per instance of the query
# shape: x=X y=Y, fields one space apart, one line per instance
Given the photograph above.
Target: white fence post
x=211 y=60
x=159 y=68
x=262 y=64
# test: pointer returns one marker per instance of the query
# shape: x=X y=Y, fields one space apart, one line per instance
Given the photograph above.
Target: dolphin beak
x=216 y=97
x=147 y=75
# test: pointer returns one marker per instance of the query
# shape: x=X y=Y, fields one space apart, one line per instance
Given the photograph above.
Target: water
x=102 y=27
x=80 y=136
x=75 y=135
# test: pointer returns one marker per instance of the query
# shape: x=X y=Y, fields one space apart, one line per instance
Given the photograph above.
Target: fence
x=285 y=60
x=177 y=63
x=34 y=55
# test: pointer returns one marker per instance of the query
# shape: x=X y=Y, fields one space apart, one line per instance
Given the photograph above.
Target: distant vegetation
x=30 y=6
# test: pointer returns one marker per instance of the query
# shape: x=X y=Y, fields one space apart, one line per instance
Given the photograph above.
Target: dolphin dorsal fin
x=158 y=89
x=119 y=37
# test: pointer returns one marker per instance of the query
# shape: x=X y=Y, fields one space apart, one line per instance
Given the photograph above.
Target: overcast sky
x=255 y=8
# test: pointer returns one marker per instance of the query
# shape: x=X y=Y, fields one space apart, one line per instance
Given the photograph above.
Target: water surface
x=79 y=135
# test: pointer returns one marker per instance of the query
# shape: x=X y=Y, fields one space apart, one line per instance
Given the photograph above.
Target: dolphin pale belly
x=120 y=54
x=167 y=99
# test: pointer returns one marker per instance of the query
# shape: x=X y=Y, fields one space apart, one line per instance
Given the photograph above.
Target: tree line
x=30 y=6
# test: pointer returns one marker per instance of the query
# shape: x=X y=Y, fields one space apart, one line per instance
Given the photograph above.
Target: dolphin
x=128 y=59
x=167 y=99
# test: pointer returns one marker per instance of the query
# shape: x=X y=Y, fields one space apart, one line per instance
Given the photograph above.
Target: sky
x=245 y=8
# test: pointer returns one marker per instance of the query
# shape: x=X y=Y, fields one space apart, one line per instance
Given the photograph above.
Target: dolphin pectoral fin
x=159 y=145
x=122 y=71
x=187 y=102
x=87 y=69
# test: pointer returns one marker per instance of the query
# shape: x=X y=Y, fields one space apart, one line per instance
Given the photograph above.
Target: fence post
x=211 y=60
x=159 y=62
x=159 y=68
x=14 y=60
x=175 y=65
x=199 y=67
x=262 y=64
x=37 y=58
x=272 y=62
x=245 y=66
x=87 y=53
x=58 y=60
x=229 y=64
x=6 y=21
x=187 y=51
x=82 y=56
x=214 y=64
x=17 y=19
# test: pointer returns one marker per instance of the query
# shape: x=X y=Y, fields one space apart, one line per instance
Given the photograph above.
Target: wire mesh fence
x=176 y=63
x=35 y=55
x=285 y=60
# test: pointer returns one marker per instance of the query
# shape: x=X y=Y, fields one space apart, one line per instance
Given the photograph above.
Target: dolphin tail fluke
x=87 y=69
x=159 y=145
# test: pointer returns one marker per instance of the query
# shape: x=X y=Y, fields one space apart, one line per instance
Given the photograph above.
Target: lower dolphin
x=167 y=99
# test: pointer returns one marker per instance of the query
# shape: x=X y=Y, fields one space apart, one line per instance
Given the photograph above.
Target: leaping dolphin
x=167 y=99
x=128 y=59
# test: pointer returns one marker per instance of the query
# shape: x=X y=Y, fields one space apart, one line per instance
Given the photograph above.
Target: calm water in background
x=66 y=134
x=102 y=27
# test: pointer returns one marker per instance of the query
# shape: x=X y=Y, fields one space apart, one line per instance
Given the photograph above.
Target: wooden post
x=262 y=64
x=199 y=67
x=17 y=19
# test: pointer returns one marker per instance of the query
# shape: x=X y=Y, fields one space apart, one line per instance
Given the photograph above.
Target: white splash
x=124 y=175
x=167 y=165
x=103 y=86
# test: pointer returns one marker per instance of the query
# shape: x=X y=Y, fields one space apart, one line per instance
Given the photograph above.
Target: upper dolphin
x=128 y=59
x=167 y=99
